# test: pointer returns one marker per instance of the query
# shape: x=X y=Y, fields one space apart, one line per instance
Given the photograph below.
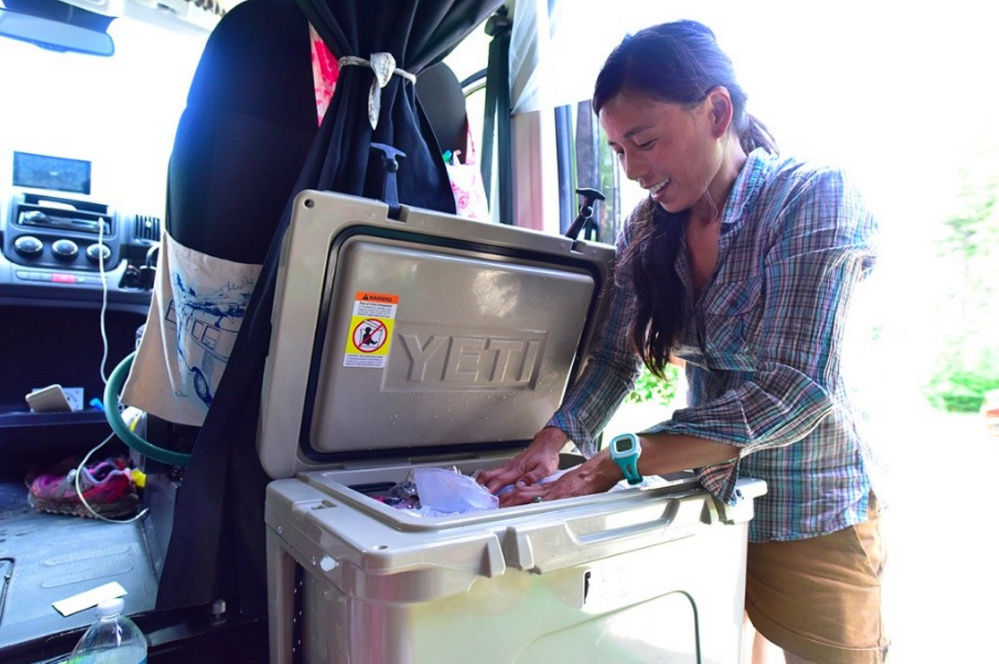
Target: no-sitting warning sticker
x=370 y=330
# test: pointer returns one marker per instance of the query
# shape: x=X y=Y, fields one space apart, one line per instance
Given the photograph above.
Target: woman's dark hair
x=677 y=63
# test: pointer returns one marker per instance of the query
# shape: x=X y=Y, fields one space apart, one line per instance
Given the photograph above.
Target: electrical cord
x=104 y=379
x=104 y=300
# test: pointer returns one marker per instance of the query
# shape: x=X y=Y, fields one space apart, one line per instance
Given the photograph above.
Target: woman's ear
x=719 y=103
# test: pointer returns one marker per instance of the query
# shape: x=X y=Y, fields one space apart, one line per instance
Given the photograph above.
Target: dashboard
x=76 y=276
x=82 y=198
x=59 y=243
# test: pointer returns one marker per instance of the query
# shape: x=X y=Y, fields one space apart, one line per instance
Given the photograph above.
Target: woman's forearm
x=664 y=453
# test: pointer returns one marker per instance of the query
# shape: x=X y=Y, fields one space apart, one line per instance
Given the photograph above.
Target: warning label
x=370 y=330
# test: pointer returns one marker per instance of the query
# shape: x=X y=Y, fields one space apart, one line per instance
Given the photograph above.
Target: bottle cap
x=110 y=607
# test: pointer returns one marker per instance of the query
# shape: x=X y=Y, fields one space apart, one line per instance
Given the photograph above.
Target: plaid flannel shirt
x=763 y=350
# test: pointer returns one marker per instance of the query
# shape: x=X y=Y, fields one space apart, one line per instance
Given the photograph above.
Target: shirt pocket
x=731 y=318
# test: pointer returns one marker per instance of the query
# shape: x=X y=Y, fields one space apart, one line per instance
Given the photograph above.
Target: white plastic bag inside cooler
x=444 y=492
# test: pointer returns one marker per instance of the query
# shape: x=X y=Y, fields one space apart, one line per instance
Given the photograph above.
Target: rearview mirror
x=54 y=35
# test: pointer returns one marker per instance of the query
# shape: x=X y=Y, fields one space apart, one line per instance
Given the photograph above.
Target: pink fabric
x=466 y=183
x=325 y=71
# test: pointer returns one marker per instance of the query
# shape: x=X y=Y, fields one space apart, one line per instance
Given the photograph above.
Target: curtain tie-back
x=383 y=64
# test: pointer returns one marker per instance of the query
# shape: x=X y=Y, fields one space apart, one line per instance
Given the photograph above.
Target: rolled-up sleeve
x=609 y=375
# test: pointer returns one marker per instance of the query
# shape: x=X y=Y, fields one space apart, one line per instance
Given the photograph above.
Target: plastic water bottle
x=113 y=639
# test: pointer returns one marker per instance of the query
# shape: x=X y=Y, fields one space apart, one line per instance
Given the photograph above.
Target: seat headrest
x=443 y=101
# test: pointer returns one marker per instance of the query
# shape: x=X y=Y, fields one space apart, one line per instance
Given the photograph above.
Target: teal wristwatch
x=625 y=450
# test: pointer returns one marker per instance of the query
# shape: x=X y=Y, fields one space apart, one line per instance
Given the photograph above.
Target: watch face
x=623 y=444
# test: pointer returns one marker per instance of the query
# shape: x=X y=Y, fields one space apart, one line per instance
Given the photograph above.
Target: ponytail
x=754 y=134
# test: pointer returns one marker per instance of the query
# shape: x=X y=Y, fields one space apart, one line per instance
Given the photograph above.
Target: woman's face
x=669 y=149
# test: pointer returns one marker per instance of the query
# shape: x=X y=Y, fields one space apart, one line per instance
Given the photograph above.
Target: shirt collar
x=746 y=188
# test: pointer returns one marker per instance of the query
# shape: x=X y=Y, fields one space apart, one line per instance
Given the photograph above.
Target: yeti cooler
x=431 y=341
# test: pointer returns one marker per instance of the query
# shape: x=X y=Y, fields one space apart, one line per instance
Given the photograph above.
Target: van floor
x=49 y=557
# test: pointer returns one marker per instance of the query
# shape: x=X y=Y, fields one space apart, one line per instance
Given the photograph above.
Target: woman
x=742 y=263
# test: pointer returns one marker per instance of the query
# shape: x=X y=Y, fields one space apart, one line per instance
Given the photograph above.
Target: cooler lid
x=417 y=336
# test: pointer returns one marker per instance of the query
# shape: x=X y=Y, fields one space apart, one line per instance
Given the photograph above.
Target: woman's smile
x=657 y=191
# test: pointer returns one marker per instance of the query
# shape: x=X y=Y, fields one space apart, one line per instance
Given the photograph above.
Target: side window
x=592 y=165
x=468 y=62
x=558 y=145
x=595 y=168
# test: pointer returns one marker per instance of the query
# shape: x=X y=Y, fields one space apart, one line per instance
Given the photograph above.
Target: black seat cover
x=243 y=138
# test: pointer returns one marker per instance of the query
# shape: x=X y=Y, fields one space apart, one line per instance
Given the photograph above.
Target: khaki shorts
x=820 y=598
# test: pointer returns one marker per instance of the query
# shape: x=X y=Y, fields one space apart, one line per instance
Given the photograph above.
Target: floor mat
x=52 y=557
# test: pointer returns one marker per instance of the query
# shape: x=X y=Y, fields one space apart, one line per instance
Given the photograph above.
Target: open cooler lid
x=417 y=336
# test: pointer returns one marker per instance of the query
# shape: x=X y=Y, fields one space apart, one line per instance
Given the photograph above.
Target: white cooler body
x=431 y=340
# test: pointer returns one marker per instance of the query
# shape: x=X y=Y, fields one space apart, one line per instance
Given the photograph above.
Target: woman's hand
x=532 y=465
x=592 y=476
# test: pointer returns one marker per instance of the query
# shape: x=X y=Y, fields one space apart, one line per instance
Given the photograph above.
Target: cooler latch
x=389 y=157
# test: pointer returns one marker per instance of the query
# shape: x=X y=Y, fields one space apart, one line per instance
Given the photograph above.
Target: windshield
x=119 y=112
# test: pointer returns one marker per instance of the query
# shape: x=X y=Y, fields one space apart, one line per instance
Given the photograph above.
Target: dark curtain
x=217 y=548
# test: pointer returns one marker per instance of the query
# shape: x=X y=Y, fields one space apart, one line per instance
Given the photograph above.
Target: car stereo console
x=57 y=240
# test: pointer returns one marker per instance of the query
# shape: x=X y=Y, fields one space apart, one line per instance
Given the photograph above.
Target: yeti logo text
x=472 y=360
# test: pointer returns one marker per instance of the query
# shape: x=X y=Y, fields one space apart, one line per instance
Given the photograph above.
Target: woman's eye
x=647 y=145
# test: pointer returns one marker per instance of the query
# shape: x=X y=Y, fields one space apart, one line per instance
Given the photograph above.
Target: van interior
x=132 y=130
x=200 y=121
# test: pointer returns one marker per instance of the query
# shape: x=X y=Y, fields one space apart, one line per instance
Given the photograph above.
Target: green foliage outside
x=967 y=365
x=649 y=389
x=959 y=390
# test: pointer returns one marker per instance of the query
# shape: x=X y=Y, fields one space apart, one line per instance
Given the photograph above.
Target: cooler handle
x=548 y=546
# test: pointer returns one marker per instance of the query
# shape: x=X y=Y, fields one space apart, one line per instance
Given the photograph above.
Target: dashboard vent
x=147 y=228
